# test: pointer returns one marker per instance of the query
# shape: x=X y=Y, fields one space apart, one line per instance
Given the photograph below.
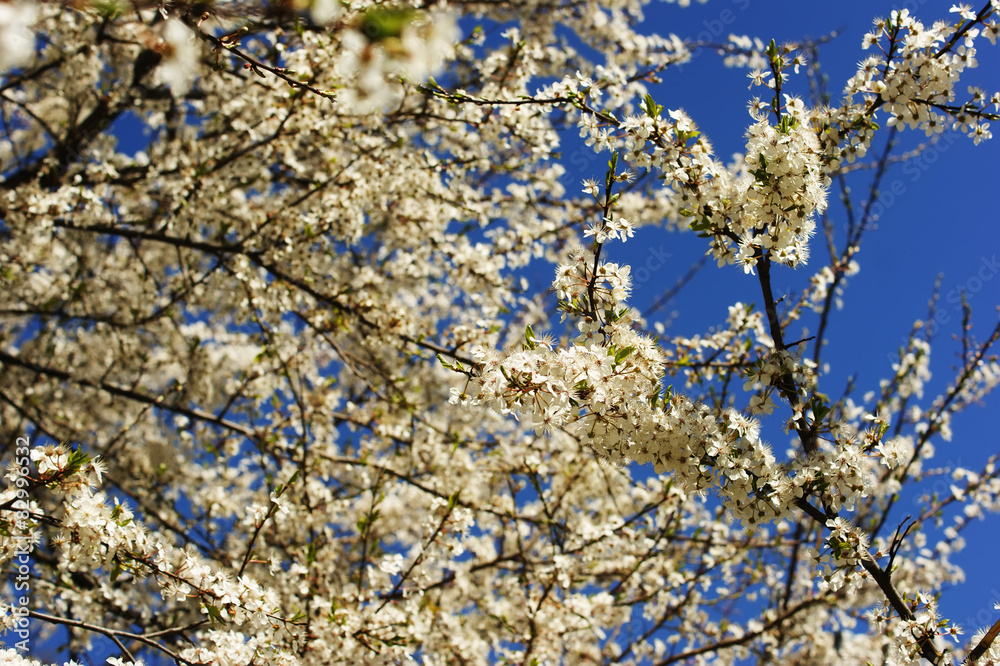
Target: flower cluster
x=94 y=534
x=241 y=318
x=831 y=276
x=923 y=64
x=17 y=35
x=767 y=204
x=848 y=544
x=991 y=656
x=605 y=389
x=180 y=51
x=610 y=228
x=907 y=635
x=387 y=45
x=912 y=370
x=777 y=213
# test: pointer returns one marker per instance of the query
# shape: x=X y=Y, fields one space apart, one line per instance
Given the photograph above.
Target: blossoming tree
x=275 y=389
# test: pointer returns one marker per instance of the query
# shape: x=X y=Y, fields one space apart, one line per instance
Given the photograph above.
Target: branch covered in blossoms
x=287 y=377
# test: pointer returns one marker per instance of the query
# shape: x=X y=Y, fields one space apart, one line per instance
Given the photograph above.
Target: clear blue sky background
x=944 y=224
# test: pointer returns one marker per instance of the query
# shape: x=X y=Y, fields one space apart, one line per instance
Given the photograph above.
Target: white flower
x=965 y=11
x=180 y=58
x=758 y=78
x=325 y=12
x=116 y=661
x=280 y=503
x=598 y=230
x=981 y=133
x=53 y=458
x=391 y=564
x=896 y=452
x=17 y=36
x=373 y=68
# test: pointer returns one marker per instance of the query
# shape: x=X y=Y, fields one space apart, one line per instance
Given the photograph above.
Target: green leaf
x=311 y=553
x=110 y=9
x=529 y=338
x=380 y=24
x=214 y=613
x=651 y=108
x=623 y=354
x=820 y=408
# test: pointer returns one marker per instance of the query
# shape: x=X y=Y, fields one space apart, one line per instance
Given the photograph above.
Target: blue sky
x=936 y=221
x=939 y=218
